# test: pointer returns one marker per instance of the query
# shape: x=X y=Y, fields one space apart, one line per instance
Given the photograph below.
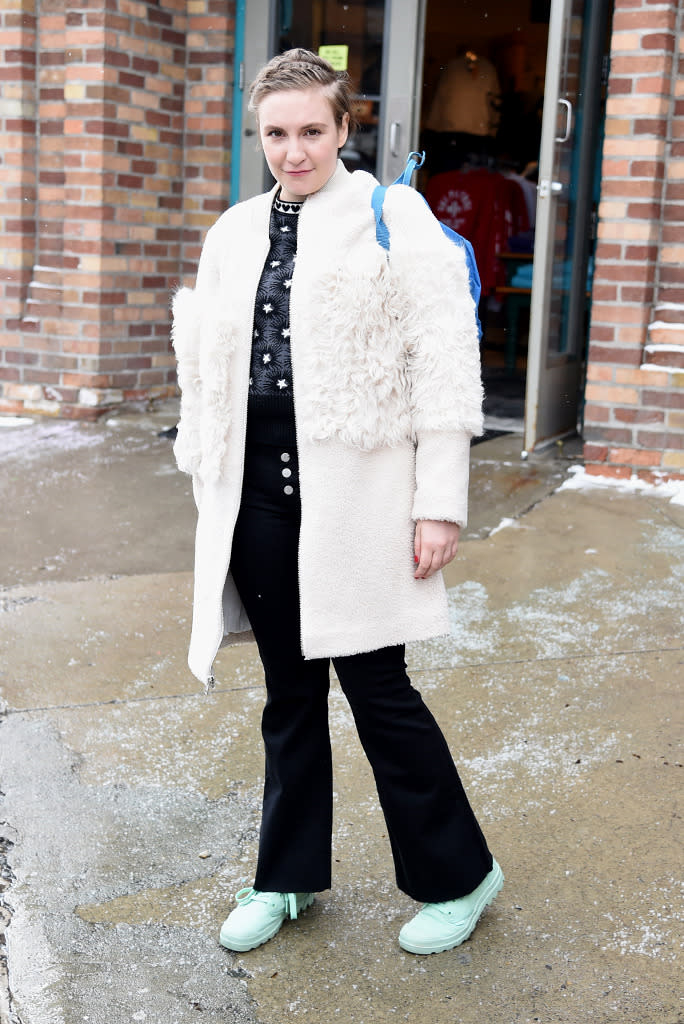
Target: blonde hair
x=303 y=69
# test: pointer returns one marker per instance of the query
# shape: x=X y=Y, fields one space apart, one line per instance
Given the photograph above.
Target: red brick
x=650 y=126
x=657 y=85
x=614 y=435
x=620 y=86
x=643 y=188
x=25 y=57
x=21 y=357
x=604 y=292
x=672 y=359
x=634 y=457
x=674 y=211
x=641 y=253
x=639 y=20
x=11 y=408
x=596 y=413
x=658 y=41
x=637 y=293
x=595 y=452
x=617 y=472
x=669 y=274
x=660 y=477
x=618 y=313
x=145 y=65
x=80 y=412
x=639 y=415
x=660 y=439
x=107 y=128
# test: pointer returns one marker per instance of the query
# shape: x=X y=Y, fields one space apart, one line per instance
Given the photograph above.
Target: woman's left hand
x=435 y=544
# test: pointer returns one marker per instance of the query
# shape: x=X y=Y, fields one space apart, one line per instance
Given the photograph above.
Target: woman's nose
x=295 y=152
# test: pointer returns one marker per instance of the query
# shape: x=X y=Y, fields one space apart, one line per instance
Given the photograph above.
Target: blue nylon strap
x=414 y=161
x=381 y=232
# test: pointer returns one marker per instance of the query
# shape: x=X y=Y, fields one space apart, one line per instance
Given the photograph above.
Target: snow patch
x=502 y=525
x=663 y=325
x=580 y=480
x=15 y=421
x=671 y=305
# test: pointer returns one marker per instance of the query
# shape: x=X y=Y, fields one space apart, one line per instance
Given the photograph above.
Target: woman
x=328 y=398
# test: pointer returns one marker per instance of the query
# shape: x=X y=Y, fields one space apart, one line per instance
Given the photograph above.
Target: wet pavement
x=130 y=801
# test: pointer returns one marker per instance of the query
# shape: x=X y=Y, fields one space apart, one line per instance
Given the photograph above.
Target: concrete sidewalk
x=131 y=801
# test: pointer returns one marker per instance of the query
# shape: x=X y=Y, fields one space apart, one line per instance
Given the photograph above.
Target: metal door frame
x=401 y=88
x=554 y=374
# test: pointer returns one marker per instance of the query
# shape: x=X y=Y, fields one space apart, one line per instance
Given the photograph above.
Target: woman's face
x=300 y=140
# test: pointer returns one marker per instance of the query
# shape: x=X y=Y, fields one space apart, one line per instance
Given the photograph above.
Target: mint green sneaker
x=258 y=917
x=441 y=926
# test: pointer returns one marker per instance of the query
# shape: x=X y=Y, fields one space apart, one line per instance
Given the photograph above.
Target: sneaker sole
x=487 y=897
x=244 y=945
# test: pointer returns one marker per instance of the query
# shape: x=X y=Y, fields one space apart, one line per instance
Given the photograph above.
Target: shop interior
x=480 y=126
x=483 y=92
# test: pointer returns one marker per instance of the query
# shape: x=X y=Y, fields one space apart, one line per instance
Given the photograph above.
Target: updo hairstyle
x=303 y=69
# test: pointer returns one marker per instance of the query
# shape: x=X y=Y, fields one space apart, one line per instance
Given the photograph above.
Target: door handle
x=545 y=188
x=567 y=106
x=395 y=134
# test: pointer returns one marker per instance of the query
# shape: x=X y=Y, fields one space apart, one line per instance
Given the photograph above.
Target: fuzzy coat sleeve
x=187 y=308
x=439 y=315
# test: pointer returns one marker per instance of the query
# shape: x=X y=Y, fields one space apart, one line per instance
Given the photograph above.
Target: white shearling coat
x=387 y=394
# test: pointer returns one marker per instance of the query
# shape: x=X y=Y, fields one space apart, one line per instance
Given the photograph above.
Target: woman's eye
x=313 y=131
x=275 y=133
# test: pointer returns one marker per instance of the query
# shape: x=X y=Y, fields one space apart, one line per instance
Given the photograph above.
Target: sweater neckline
x=283 y=206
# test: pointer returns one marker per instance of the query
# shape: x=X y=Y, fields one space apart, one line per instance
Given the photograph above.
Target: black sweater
x=270 y=408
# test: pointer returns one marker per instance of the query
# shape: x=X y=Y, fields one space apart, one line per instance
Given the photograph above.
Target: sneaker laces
x=247 y=895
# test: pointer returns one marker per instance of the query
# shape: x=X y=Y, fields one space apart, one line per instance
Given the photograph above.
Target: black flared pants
x=438 y=848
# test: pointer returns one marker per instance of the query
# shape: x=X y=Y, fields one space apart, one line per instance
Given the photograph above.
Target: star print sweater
x=270 y=408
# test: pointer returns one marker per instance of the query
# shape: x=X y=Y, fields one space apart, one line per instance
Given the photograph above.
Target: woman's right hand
x=435 y=545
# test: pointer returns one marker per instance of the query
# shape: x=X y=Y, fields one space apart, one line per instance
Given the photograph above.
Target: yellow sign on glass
x=338 y=56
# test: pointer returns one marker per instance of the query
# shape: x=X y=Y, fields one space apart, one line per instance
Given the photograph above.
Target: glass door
x=568 y=173
x=404 y=45
x=379 y=42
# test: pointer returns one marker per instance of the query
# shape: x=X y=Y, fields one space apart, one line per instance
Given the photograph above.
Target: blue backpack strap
x=381 y=232
x=471 y=264
x=414 y=161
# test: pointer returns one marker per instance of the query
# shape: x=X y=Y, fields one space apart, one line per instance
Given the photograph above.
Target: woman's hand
x=435 y=544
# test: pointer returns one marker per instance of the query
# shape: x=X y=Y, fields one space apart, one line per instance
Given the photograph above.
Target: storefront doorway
x=507 y=100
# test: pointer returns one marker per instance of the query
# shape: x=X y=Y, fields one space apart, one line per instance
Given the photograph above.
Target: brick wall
x=115 y=122
x=634 y=413
x=115 y=133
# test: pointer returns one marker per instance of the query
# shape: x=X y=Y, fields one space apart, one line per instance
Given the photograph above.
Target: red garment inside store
x=485 y=207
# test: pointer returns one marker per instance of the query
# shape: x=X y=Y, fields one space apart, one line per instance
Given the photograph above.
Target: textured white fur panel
x=354 y=364
x=185 y=340
x=186 y=310
x=442 y=340
x=437 y=318
x=218 y=340
x=204 y=338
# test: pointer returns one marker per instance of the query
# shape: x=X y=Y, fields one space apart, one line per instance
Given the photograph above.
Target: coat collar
x=338 y=183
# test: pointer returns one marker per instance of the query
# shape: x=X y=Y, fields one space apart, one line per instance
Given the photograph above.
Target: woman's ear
x=343 y=131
